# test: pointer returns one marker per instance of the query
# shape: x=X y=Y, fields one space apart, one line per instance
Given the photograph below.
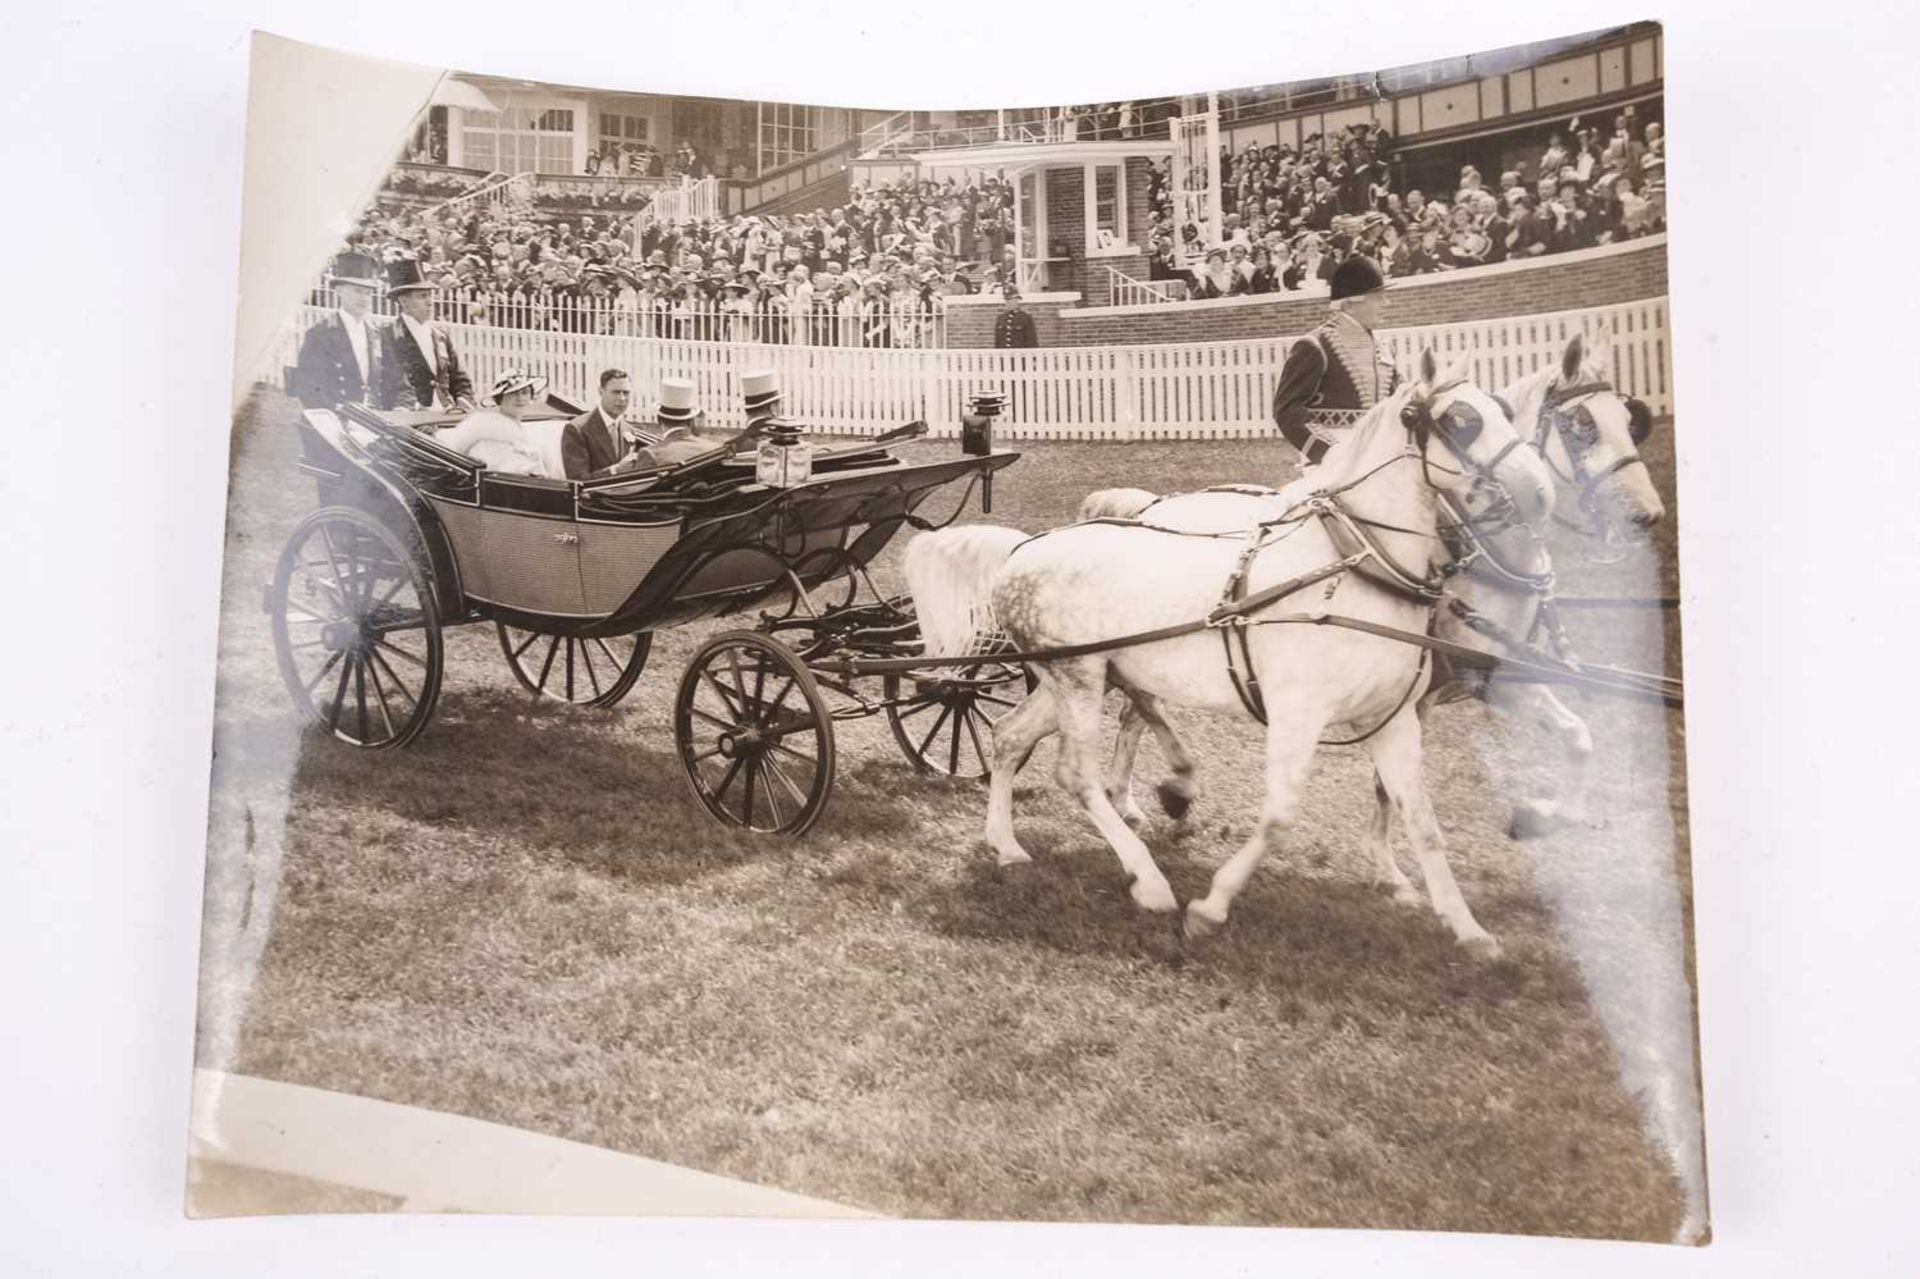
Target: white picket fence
x=1192 y=390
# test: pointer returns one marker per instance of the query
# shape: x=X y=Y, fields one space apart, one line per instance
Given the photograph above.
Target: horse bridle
x=1458 y=427
x=1579 y=433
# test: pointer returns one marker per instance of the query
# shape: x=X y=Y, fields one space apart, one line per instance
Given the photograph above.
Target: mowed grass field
x=526 y=918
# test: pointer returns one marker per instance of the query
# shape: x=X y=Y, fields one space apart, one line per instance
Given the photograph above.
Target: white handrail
x=1127 y=290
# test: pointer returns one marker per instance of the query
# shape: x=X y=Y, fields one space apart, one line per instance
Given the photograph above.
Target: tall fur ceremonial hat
x=676 y=400
x=1355 y=276
x=760 y=388
x=355 y=268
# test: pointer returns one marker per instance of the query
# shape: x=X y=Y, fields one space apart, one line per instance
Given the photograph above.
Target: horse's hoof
x=1130 y=814
x=1013 y=857
x=1530 y=821
x=1174 y=802
x=1482 y=948
x=1199 y=924
x=1155 y=895
x=1403 y=894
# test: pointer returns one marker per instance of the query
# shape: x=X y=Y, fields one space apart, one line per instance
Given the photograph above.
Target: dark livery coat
x=410 y=382
x=1331 y=377
x=1014 y=329
x=326 y=374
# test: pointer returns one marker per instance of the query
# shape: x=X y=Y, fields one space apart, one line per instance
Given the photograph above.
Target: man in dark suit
x=422 y=370
x=341 y=356
x=1014 y=328
x=592 y=444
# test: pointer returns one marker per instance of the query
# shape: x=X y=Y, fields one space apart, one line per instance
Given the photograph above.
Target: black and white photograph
x=1097 y=661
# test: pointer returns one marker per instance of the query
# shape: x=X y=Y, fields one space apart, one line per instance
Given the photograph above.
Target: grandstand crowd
x=1292 y=216
x=872 y=272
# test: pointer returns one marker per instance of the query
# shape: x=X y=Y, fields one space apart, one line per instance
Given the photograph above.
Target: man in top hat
x=1335 y=374
x=340 y=356
x=422 y=370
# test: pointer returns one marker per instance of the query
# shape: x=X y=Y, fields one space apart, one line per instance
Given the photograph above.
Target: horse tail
x=1116 y=504
x=950 y=576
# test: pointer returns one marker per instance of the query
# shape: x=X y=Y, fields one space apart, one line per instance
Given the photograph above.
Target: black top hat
x=355 y=268
x=1355 y=276
x=404 y=274
x=988 y=404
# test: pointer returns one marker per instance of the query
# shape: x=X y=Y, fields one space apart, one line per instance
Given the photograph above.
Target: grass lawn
x=525 y=917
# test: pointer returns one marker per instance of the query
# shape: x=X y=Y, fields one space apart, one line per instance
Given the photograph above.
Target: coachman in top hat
x=1335 y=374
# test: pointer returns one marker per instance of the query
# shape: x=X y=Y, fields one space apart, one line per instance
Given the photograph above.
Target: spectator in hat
x=340 y=356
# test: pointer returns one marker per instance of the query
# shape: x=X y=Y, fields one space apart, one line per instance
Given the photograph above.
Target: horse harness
x=1564 y=412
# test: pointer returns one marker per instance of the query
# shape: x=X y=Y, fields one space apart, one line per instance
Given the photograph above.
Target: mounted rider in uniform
x=1335 y=374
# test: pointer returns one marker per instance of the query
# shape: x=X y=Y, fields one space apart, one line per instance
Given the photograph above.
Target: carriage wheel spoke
x=386 y=712
x=766 y=784
x=978 y=749
x=399 y=685
x=333 y=565
x=811 y=761
x=753 y=771
x=770 y=709
x=997 y=701
x=360 y=694
x=740 y=715
x=397 y=651
x=953 y=743
x=547 y=667
x=726 y=779
x=322 y=672
x=339 y=697
x=526 y=644
x=586 y=659
x=618 y=665
x=399 y=581
x=569 y=669
x=714 y=719
x=780 y=774
x=944 y=712
x=919 y=708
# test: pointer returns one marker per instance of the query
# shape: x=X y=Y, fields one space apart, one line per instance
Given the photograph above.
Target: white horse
x=1360 y=541
x=1497 y=602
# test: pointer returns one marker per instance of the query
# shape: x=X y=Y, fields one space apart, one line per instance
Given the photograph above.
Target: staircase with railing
x=1127 y=290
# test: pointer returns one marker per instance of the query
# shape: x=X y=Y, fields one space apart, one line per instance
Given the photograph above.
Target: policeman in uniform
x=1335 y=374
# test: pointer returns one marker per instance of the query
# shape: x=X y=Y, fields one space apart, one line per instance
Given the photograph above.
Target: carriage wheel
x=946 y=727
x=583 y=672
x=755 y=735
x=355 y=629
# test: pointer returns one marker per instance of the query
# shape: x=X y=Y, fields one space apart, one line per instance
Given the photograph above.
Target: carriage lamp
x=976 y=437
x=784 y=459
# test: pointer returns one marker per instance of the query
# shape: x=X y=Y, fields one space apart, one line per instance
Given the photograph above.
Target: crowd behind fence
x=1184 y=390
x=852 y=320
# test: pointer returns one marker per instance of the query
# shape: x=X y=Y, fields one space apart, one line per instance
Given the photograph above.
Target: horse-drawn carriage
x=412 y=537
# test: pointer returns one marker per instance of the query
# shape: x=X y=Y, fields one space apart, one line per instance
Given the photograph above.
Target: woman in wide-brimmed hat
x=496 y=436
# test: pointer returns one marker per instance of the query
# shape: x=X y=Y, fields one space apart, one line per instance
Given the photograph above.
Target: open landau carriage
x=412 y=537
